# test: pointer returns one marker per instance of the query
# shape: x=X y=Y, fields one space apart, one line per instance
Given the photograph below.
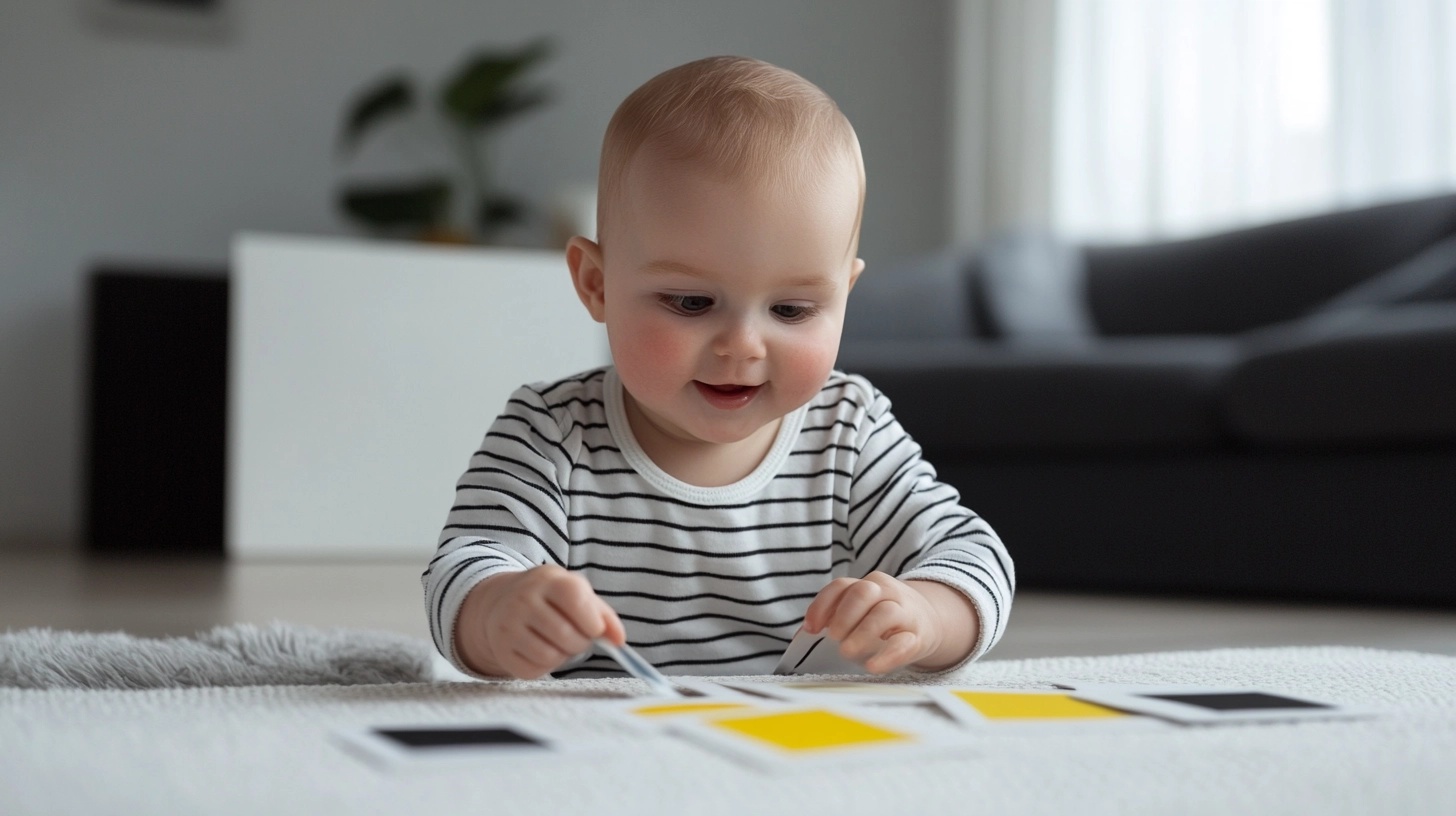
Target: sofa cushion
x=1033 y=288
x=925 y=296
x=1119 y=394
x=1347 y=377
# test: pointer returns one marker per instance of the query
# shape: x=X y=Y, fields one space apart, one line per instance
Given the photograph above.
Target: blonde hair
x=736 y=117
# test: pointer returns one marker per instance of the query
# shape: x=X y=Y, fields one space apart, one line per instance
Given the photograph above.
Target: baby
x=719 y=486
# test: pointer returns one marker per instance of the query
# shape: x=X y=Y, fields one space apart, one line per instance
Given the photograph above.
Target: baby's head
x=731 y=117
x=729 y=205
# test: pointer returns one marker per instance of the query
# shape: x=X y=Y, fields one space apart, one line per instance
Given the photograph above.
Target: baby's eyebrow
x=675 y=268
x=810 y=281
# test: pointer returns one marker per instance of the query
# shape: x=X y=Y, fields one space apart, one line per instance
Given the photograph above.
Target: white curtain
x=1174 y=117
x=1001 y=118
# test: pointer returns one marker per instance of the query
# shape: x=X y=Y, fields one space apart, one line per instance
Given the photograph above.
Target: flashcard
x=1198 y=705
x=1036 y=709
x=845 y=692
x=786 y=738
x=404 y=746
x=815 y=654
x=644 y=716
x=692 y=688
x=697 y=699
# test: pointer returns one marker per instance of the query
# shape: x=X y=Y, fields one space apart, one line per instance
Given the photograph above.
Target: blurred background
x=149 y=133
x=130 y=140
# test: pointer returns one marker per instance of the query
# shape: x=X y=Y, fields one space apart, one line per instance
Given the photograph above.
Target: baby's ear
x=855 y=270
x=584 y=258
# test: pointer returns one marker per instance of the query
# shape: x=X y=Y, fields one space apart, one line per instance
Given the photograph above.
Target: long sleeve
x=905 y=522
x=509 y=512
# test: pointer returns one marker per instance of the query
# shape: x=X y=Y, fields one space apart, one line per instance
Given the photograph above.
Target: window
x=1174 y=117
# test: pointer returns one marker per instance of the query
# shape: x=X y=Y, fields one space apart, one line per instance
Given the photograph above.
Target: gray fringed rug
x=237 y=655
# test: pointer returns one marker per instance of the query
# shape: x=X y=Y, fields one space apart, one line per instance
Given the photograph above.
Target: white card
x=844 y=692
x=815 y=654
x=1203 y=705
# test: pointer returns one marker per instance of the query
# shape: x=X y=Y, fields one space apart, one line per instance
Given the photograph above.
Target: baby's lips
x=728 y=388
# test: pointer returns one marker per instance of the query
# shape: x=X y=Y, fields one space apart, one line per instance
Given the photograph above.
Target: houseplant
x=487 y=91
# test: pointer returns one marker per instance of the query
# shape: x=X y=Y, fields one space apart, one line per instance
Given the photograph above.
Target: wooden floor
x=157 y=598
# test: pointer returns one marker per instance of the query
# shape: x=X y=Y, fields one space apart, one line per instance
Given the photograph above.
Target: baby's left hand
x=881 y=622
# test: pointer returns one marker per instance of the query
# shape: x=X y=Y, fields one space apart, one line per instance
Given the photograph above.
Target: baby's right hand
x=533 y=622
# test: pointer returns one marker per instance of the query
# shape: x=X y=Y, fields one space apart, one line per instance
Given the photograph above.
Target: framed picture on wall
x=179 y=19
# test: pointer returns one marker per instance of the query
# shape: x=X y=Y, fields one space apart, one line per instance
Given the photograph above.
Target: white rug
x=266 y=749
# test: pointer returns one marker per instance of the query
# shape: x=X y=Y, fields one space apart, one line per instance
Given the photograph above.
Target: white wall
x=147 y=148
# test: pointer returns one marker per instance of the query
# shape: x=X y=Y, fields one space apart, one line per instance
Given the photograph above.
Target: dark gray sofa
x=1264 y=412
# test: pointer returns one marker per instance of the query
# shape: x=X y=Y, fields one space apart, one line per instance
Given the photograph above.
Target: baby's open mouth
x=727 y=395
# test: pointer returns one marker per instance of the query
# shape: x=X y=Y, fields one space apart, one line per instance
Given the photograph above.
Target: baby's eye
x=793 y=313
x=687 y=304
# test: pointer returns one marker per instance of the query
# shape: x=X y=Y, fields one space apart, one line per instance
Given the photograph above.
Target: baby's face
x=724 y=301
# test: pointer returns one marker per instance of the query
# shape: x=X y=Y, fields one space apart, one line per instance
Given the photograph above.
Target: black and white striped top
x=708 y=580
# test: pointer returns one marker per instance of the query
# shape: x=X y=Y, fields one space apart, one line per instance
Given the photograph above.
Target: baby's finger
x=612 y=628
x=856 y=602
x=520 y=665
x=573 y=599
x=553 y=628
x=543 y=649
x=822 y=608
x=899 y=649
x=868 y=638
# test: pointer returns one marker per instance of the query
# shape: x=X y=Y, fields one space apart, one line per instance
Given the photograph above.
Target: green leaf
x=390 y=96
x=392 y=205
x=481 y=91
x=510 y=104
x=498 y=210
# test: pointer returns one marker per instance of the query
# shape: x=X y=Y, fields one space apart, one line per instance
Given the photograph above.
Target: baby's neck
x=701 y=464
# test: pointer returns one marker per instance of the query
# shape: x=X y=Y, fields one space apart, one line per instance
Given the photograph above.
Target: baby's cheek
x=648 y=353
x=808 y=363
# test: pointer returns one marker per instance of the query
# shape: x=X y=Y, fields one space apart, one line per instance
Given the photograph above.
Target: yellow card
x=695 y=707
x=809 y=730
x=781 y=739
x=1037 y=709
x=1010 y=705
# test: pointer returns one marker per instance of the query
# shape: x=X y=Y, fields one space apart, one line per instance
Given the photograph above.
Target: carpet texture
x=268 y=749
x=238 y=655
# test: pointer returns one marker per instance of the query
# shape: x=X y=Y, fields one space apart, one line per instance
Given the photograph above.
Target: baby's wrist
x=472 y=643
x=954 y=626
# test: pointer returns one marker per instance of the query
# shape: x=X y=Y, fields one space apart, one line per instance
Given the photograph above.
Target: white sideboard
x=363 y=374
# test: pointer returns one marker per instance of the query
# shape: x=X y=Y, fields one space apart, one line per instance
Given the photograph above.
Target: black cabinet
x=156 y=412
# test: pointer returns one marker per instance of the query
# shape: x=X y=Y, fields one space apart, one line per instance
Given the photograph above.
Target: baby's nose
x=740 y=339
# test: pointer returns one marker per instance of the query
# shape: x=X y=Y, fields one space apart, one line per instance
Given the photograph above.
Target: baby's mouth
x=727 y=395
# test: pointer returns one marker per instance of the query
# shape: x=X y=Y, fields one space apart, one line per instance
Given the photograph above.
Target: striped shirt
x=708 y=580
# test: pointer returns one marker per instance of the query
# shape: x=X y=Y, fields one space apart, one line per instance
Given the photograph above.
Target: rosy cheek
x=807 y=363
x=647 y=351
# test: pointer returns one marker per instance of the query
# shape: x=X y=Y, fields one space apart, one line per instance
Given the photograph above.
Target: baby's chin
x=718 y=431
x=712 y=433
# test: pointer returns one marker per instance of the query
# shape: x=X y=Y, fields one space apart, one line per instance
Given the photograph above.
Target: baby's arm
x=526 y=624
x=884 y=623
x=937 y=583
x=493 y=590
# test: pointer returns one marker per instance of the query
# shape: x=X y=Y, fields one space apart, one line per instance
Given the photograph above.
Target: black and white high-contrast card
x=416 y=745
x=1200 y=705
x=815 y=654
